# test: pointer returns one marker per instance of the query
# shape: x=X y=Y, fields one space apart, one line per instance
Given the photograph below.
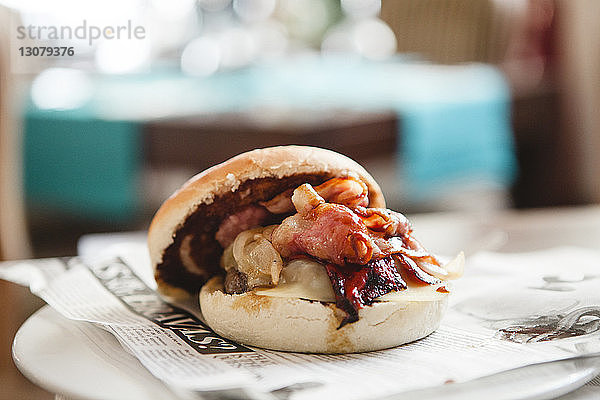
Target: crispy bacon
x=233 y=225
x=330 y=232
x=386 y=221
x=357 y=286
x=411 y=272
x=326 y=231
x=305 y=198
x=339 y=234
x=349 y=191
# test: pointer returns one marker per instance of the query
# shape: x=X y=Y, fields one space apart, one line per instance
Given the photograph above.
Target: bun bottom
x=297 y=325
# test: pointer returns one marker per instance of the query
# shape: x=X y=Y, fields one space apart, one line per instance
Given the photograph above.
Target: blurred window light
x=123 y=56
x=271 y=39
x=374 y=39
x=169 y=32
x=214 y=5
x=339 y=39
x=61 y=89
x=238 y=48
x=306 y=20
x=174 y=10
x=201 y=57
x=254 y=10
x=370 y=38
x=361 y=8
x=172 y=35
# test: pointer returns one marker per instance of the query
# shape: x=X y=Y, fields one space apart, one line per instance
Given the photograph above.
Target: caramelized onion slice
x=456 y=267
x=395 y=245
x=452 y=270
x=256 y=257
x=227 y=259
x=305 y=199
x=240 y=243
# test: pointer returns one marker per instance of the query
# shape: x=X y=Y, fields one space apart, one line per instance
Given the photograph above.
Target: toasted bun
x=298 y=325
x=196 y=210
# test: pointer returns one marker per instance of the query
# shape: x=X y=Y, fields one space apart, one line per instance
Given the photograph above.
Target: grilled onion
x=256 y=257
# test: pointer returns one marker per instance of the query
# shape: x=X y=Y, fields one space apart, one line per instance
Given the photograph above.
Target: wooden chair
x=13 y=234
x=578 y=39
x=453 y=31
x=16 y=303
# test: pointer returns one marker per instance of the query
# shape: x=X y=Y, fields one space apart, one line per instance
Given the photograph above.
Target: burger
x=291 y=248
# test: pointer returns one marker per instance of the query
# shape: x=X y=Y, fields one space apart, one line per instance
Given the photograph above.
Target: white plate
x=81 y=361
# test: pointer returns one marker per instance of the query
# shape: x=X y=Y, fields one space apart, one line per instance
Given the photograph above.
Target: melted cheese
x=298 y=290
x=307 y=279
x=415 y=293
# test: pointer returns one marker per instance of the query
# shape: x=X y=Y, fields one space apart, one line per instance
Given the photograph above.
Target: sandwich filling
x=330 y=247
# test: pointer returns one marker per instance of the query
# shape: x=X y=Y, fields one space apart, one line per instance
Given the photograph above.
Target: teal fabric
x=84 y=167
x=454 y=124
x=454 y=120
x=455 y=143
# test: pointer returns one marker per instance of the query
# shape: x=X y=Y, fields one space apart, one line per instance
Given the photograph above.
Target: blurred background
x=453 y=105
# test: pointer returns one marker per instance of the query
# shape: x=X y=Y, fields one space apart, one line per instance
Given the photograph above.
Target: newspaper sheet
x=509 y=310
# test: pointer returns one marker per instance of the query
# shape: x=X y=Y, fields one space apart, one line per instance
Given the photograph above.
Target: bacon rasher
x=342 y=235
x=327 y=231
x=349 y=191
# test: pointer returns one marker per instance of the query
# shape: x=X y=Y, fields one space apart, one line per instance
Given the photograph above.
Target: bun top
x=181 y=239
